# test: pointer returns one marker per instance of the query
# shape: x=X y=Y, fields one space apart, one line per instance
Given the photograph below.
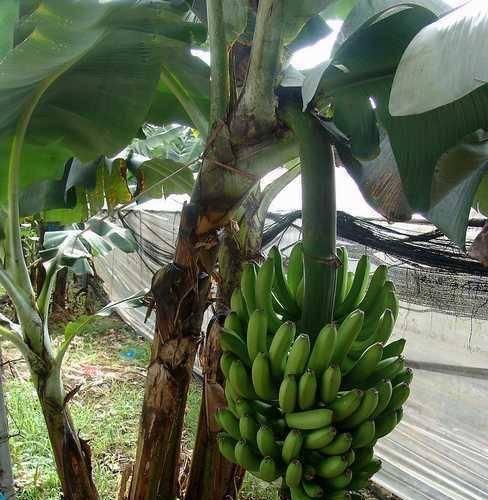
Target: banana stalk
x=318 y=216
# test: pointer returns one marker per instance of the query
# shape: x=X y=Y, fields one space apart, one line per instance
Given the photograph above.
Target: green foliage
x=8 y=18
x=96 y=100
x=430 y=162
x=74 y=247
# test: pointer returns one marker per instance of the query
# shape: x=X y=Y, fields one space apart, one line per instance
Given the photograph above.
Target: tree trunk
x=180 y=293
x=6 y=477
x=212 y=477
x=71 y=453
x=225 y=479
x=236 y=248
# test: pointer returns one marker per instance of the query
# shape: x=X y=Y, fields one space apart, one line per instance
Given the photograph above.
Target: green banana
x=394 y=349
x=319 y=438
x=392 y=302
x=225 y=361
x=385 y=327
x=265 y=409
x=226 y=446
x=406 y=375
x=359 y=481
x=399 y=396
x=232 y=322
x=382 y=331
x=300 y=295
x=323 y=349
x=375 y=285
x=365 y=366
x=375 y=312
x=310 y=419
x=279 y=427
x=341 y=280
x=261 y=377
x=268 y=470
x=231 y=342
x=348 y=364
x=281 y=287
x=356 y=293
x=331 y=467
x=238 y=305
x=330 y=383
x=248 y=285
x=386 y=369
x=298 y=494
x=309 y=472
x=350 y=456
x=346 y=335
x=292 y=446
x=295 y=268
x=287 y=396
x=264 y=300
x=385 y=391
x=277 y=306
x=307 y=390
x=246 y=457
x=261 y=419
x=372 y=467
x=312 y=489
x=228 y=422
x=293 y=474
x=298 y=355
x=241 y=381
x=231 y=396
x=364 y=434
x=363 y=457
x=340 y=444
x=365 y=410
x=399 y=415
x=280 y=345
x=346 y=404
x=256 y=333
x=243 y=407
x=248 y=429
x=341 y=481
x=266 y=442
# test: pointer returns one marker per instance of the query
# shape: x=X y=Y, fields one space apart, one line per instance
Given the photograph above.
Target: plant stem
x=6 y=477
x=259 y=101
x=318 y=218
x=219 y=62
x=13 y=292
x=15 y=258
x=16 y=340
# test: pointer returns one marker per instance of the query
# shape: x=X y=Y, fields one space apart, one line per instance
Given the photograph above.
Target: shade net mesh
x=440 y=449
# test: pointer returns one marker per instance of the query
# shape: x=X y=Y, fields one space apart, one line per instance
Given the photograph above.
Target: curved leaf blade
x=447 y=61
x=361 y=16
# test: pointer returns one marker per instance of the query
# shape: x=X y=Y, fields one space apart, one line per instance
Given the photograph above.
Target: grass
x=110 y=362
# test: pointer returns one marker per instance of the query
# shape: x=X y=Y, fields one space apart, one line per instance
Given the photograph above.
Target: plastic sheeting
x=440 y=449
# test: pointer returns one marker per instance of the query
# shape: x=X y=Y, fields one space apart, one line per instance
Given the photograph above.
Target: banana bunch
x=309 y=412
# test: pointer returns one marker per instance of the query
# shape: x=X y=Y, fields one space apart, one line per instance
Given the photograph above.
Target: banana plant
x=251 y=126
x=66 y=91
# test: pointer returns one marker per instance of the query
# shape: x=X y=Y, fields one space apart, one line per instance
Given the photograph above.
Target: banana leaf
x=427 y=148
x=102 y=60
